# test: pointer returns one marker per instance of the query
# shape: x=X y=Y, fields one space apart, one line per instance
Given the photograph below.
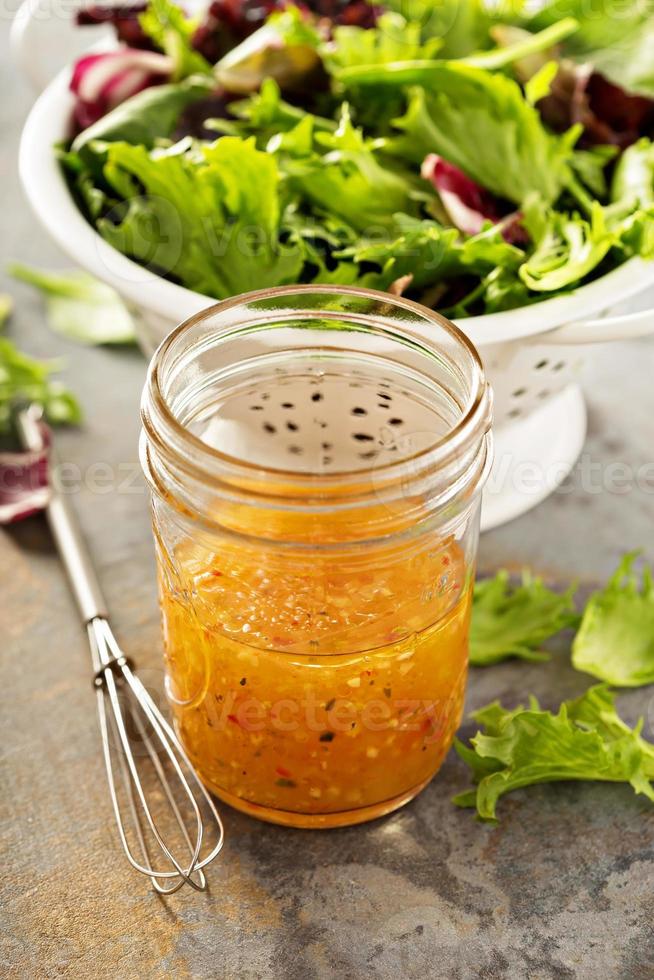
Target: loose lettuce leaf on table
x=79 y=306
x=615 y=641
x=456 y=109
x=585 y=740
x=208 y=214
x=24 y=378
x=6 y=308
x=513 y=621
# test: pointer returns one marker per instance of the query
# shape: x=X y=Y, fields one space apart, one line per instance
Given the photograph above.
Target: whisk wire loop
x=123 y=701
x=118 y=678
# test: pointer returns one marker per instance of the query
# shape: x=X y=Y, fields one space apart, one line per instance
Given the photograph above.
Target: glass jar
x=316 y=456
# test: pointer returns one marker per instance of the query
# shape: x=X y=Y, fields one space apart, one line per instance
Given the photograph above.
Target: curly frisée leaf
x=393 y=39
x=585 y=740
x=210 y=216
x=514 y=621
x=570 y=248
x=615 y=641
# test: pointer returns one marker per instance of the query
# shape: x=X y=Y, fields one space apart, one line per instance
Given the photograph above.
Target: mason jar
x=316 y=457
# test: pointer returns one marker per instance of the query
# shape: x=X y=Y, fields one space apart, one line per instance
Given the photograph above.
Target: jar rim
x=218 y=466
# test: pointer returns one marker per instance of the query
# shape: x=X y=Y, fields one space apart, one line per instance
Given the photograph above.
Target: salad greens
x=617 y=39
x=457 y=108
x=514 y=621
x=23 y=377
x=585 y=740
x=80 y=307
x=6 y=307
x=615 y=641
x=172 y=31
x=309 y=143
x=211 y=201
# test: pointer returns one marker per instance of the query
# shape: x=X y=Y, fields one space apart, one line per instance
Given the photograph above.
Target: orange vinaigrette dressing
x=315 y=510
x=321 y=691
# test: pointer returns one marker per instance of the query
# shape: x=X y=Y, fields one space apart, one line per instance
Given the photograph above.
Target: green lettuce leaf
x=265 y=115
x=393 y=39
x=431 y=254
x=633 y=177
x=208 y=214
x=525 y=47
x=585 y=740
x=6 y=309
x=459 y=108
x=514 y=621
x=615 y=641
x=172 y=31
x=568 y=250
x=146 y=117
x=285 y=48
x=24 y=378
x=79 y=306
x=341 y=173
x=461 y=26
x=616 y=39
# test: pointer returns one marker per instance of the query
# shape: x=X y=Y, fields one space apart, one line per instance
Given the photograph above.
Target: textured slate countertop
x=562 y=888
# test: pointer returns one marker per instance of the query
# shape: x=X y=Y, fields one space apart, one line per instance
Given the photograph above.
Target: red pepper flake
x=446 y=559
x=234 y=719
x=217 y=574
x=281 y=771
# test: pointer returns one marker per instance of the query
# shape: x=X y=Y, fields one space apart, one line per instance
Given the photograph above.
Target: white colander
x=532 y=355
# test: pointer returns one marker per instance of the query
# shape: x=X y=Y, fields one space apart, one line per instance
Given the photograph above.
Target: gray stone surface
x=562 y=888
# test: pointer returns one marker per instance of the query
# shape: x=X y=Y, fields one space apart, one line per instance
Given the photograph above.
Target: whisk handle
x=65 y=529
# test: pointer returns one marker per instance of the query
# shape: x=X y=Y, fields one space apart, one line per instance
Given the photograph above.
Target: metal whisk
x=129 y=718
